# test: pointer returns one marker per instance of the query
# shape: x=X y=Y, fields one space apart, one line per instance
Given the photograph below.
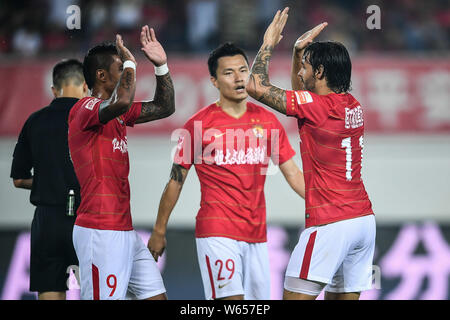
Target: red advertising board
x=398 y=95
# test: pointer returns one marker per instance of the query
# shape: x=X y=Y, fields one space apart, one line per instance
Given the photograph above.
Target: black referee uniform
x=42 y=146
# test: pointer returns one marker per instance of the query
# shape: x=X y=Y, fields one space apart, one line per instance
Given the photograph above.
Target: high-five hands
x=273 y=33
x=124 y=53
x=308 y=37
x=152 y=49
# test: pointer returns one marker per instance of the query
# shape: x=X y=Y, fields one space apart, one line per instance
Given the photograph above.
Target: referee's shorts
x=52 y=250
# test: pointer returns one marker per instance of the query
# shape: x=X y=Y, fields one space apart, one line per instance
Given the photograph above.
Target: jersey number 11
x=347 y=145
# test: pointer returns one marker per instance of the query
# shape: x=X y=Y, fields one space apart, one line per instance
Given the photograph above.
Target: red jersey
x=231 y=156
x=331 y=131
x=99 y=153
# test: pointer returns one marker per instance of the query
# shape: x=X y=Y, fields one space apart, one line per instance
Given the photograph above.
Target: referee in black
x=42 y=146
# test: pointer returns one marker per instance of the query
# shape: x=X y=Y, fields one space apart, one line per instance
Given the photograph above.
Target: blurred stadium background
x=401 y=75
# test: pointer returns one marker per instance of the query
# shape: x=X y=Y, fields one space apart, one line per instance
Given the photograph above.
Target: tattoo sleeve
x=178 y=173
x=260 y=87
x=163 y=105
x=127 y=80
x=121 y=98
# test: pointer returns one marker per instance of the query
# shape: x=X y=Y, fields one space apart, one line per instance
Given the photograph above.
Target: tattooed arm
x=259 y=86
x=123 y=94
x=157 y=242
x=163 y=104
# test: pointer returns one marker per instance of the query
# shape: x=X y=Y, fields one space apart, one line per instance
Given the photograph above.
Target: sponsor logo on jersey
x=234 y=146
x=251 y=156
x=120 y=145
x=219 y=135
x=90 y=103
x=303 y=97
x=353 y=118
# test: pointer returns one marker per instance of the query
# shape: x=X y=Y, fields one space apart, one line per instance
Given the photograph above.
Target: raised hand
x=273 y=33
x=124 y=53
x=308 y=37
x=152 y=49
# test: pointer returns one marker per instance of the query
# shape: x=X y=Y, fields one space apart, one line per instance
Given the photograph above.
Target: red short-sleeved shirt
x=231 y=157
x=331 y=129
x=99 y=153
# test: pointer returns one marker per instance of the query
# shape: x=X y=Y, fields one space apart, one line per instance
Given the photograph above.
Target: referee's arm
x=22 y=162
x=23 y=183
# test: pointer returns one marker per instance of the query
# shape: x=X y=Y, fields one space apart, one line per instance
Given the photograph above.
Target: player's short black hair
x=227 y=49
x=67 y=70
x=98 y=57
x=337 y=66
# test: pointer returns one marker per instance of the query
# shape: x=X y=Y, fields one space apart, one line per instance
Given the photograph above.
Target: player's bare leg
x=161 y=296
x=237 y=297
x=289 y=295
x=342 y=296
x=52 y=295
x=301 y=289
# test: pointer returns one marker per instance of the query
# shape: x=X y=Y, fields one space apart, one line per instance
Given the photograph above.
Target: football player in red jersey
x=230 y=143
x=113 y=259
x=335 y=251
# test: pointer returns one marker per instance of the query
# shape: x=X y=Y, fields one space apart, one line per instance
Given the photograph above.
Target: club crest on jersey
x=258 y=131
x=91 y=103
x=303 y=97
x=120 y=145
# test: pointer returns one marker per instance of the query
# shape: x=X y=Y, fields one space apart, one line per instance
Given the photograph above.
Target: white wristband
x=161 y=70
x=129 y=64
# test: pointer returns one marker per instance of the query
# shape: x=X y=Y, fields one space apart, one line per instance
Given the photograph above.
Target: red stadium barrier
x=398 y=95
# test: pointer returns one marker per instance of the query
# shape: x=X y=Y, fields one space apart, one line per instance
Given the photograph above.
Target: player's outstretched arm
x=123 y=95
x=294 y=177
x=157 y=242
x=163 y=104
x=297 y=55
x=259 y=86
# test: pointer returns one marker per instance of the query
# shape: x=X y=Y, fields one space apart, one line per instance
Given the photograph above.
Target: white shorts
x=114 y=262
x=339 y=254
x=230 y=267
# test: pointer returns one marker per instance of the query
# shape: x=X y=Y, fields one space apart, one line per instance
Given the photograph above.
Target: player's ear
x=214 y=82
x=319 y=73
x=55 y=92
x=85 y=89
x=100 y=74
